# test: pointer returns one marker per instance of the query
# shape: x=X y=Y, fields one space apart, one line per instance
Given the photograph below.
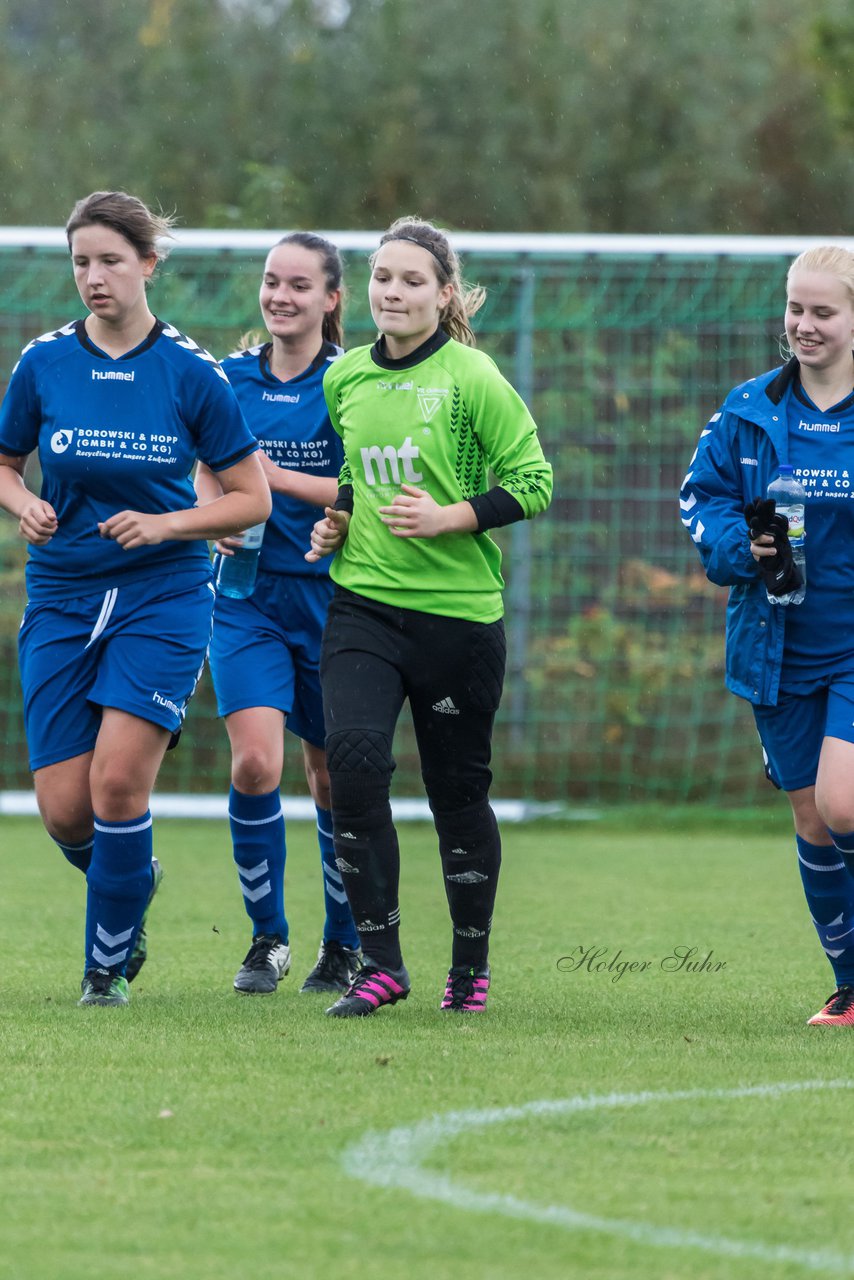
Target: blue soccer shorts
x=265 y=650
x=139 y=648
x=793 y=731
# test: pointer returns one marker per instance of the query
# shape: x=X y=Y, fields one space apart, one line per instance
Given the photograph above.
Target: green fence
x=623 y=349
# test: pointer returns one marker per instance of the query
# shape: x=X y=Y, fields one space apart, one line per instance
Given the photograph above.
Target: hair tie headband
x=421 y=245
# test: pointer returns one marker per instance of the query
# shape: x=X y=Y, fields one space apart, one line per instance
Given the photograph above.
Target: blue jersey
x=116 y=435
x=820 y=631
x=291 y=423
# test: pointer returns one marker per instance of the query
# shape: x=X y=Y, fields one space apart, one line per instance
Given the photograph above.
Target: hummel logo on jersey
x=387 y=461
x=468 y=877
x=112 y=375
x=446 y=706
x=279 y=397
x=166 y=702
x=819 y=426
x=344 y=866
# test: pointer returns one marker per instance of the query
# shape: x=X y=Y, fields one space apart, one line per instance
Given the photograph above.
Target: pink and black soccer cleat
x=465 y=990
x=837 y=1012
x=370 y=990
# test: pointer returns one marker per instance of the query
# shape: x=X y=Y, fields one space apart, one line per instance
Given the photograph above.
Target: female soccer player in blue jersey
x=119 y=406
x=265 y=650
x=417 y=612
x=795 y=664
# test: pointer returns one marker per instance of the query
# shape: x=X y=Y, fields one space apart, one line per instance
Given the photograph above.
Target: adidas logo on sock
x=368 y=926
x=446 y=706
x=346 y=835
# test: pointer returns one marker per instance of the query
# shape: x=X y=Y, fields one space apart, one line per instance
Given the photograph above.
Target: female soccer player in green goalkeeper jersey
x=417 y=611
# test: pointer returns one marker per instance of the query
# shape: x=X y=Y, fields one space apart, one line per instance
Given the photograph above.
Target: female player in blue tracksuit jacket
x=795 y=664
x=266 y=649
x=119 y=406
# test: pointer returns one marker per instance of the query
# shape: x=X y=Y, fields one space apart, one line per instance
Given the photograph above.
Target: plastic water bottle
x=236 y=573
x=789 y=498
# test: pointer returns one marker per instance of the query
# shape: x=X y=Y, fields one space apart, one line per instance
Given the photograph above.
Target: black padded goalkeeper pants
x=374 y=658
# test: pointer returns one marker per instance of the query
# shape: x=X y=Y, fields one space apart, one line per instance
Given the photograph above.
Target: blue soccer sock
x=339 y=926
x=119 y=882
x=79 y=855
x=258 y=837
x=829 y=891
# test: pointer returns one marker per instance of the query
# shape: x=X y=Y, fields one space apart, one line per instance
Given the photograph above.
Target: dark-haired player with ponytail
x=417 y=612
x=265 y=650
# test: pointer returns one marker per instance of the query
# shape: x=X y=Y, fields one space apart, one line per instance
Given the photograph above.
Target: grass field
x=606 y=1123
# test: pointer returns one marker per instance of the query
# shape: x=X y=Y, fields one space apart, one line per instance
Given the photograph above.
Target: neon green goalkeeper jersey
x=441 y=419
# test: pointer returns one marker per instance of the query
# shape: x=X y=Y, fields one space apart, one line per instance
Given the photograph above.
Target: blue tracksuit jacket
x=738 y=455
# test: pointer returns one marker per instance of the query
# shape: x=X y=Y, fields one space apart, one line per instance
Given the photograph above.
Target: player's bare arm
x=37 y=521
x=245 y=501
x=314 y=491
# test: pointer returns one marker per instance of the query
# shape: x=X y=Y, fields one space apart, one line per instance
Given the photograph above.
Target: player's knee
x=831 y=807
x=117 y=795
x=68 y=818
x=837 y=815
x=812 y=828
x=255 y=770
x=454 y=792
x=68 y=829
x=358 y=751
x=467 y=827
x=360 y=768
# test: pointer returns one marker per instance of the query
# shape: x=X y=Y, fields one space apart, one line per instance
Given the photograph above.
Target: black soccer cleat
x=370 y=990
x=336 y=968
x=266 y=963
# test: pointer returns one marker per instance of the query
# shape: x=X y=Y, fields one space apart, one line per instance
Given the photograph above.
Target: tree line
x=515 y=115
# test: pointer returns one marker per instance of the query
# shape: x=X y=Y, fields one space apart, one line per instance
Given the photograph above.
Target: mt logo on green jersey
x=383 y=465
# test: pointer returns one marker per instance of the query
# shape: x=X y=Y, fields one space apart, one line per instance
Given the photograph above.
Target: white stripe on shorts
x=104 y=616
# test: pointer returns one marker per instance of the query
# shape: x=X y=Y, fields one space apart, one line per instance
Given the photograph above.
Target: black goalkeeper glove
x=779 y=572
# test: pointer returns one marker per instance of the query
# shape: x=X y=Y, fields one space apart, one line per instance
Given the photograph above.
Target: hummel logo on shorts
x=446 y=706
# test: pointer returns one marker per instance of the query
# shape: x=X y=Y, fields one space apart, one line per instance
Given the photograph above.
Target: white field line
x=163 y=805
x=394 y=1160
